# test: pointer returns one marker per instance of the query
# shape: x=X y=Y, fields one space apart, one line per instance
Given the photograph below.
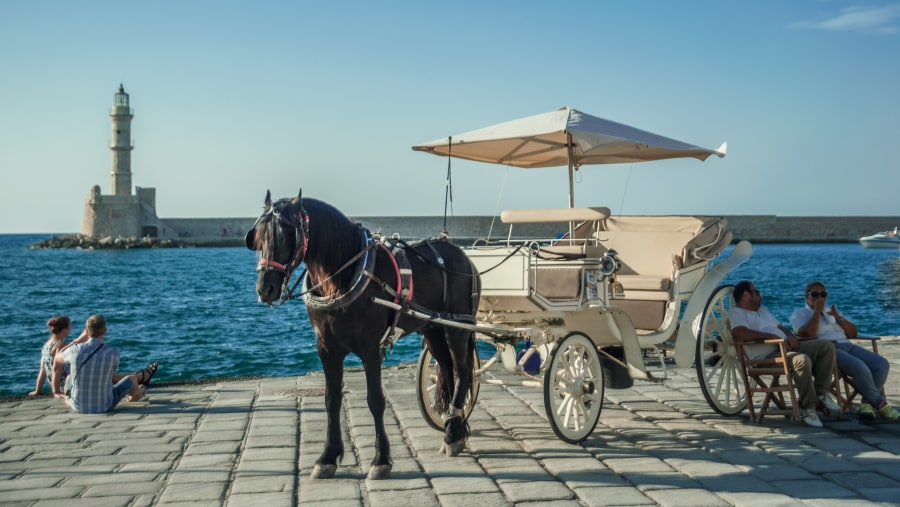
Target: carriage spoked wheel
x=718 y=367
x=427 y=375
x=573 y=388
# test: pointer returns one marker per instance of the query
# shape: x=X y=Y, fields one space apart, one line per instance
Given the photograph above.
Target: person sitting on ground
x=94 y=387
x=810 y=359
x=868 y=369
x=144 y=376
x=60 y=327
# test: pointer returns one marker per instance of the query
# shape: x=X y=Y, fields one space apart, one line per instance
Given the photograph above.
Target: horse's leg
x=326 y=465
x=437 y=346
x=456 y=429
x=381 y=463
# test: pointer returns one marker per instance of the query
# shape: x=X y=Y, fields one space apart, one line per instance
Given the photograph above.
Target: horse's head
x=281 y=236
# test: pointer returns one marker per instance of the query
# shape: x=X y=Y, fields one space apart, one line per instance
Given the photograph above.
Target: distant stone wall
x=754 y=228
x=775 y=229
x=464 y=230
x=206 y=230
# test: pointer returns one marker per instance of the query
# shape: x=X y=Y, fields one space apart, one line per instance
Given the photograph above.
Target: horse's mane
x=333 y=239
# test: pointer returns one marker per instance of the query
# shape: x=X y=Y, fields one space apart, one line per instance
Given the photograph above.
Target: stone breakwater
x=81 y=241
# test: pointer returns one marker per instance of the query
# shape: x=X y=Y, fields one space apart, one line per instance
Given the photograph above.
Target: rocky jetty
x=81 y=241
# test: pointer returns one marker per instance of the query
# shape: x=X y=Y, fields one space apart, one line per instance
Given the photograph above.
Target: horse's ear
x=268 y=200
x=250 y=239
x=300 y=194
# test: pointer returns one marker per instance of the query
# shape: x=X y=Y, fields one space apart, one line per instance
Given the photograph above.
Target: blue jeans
x=868 y=370
x=120 y=390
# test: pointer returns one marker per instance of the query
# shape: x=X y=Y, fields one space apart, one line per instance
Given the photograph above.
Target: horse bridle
x=300 y=224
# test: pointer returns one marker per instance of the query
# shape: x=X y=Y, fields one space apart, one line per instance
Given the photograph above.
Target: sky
x=231 y=99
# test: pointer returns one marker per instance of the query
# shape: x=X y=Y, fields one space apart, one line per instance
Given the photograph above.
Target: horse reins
x=301 y=234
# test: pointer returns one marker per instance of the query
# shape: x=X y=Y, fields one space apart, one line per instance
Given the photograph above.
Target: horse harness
x=401 y=288
x=364 y=272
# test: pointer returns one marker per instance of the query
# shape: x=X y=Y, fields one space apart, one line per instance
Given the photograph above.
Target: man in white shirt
x=812 y=361
x=868 y=370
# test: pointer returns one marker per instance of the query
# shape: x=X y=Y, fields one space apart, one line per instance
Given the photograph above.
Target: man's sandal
x=144 y=376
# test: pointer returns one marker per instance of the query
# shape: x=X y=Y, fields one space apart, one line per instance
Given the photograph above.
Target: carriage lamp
x=609 y=266
x=610 y=262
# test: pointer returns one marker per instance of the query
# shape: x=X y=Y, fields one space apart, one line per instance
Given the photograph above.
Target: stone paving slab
x=254 y=442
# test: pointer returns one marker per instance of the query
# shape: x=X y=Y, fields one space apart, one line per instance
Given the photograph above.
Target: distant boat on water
x=883 y=239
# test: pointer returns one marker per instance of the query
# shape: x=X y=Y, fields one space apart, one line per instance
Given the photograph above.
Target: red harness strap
x=402 y=274
x=266 y=264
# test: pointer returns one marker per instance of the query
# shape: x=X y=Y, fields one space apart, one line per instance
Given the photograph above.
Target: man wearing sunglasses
x=812 y=361
x=868 y=369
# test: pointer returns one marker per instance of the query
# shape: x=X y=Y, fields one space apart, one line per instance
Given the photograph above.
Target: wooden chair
x=842 y=387
x=772 y=378
x=837 y=389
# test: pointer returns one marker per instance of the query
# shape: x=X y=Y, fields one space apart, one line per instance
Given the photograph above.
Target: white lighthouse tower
x=123 y=212
x=121 y=146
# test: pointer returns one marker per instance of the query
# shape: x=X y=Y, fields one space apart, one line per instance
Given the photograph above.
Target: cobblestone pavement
x=254 y=442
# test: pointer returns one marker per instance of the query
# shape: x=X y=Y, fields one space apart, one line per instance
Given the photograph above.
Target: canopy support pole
x=571 y=181
x=448 y=189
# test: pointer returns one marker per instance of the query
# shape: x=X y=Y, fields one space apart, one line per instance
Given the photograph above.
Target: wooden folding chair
x=843 y=388
x=772 y=377
x=836 y=388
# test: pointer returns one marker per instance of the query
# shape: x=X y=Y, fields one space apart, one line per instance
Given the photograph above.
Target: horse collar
x=361 y=277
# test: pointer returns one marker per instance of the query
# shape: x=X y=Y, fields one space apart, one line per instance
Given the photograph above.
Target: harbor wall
x=206 y=231
x=465 y=229
x=775 y=229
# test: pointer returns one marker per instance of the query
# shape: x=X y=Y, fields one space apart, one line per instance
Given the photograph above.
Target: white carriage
x=594 y=308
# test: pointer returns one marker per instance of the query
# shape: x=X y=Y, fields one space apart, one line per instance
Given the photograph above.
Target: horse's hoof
x=453 y=448
x=323 y=471
x=377 y=472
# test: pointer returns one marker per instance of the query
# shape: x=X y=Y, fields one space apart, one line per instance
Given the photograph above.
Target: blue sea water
x=195 y=310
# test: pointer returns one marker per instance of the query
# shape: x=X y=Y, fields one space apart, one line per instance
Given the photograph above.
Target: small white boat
x=883 y=239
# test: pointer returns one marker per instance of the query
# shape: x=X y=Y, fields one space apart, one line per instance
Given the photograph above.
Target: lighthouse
x=120 y=116
x=127 y=213
x=122 y=212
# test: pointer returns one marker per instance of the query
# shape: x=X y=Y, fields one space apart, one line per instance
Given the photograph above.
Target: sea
x=195 y=310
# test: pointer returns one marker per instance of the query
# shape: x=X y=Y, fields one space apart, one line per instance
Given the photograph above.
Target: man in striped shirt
x=93 y=386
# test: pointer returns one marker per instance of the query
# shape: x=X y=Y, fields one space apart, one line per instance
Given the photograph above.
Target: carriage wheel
x=573 y=388
x=426 y=388
x=718 y=367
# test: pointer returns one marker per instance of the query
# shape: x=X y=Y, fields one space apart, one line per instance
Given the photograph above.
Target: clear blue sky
x=233 y=98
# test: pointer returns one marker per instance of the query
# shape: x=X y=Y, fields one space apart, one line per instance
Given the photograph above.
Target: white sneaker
x=828 y=403
x=810 y=418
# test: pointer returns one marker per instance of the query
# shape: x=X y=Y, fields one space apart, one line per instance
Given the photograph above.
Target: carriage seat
x=653 y=248
x=653 y=251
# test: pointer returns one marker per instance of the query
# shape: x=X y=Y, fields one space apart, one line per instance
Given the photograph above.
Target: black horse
x=347 y=272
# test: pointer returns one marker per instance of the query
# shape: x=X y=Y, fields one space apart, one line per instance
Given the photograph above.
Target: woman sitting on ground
x=60 y=327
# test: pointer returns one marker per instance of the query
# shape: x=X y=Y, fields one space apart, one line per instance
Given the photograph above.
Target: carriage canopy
x=563 y=137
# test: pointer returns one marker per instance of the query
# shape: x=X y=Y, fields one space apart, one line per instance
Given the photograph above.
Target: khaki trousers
x=813 y=366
